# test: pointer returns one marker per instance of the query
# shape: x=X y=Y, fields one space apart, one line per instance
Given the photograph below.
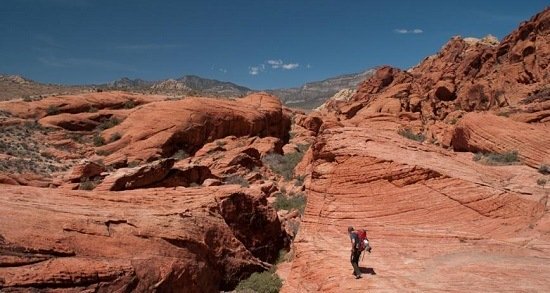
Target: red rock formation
x=437 y=220
x=160 y=129
x=76 y=104
x=477 y=132
x=467 y=74
x=192 y=240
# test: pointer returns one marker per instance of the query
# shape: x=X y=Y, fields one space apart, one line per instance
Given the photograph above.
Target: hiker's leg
x=355 y=263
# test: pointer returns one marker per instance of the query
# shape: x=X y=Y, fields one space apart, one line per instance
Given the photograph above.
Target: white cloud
x=407 y=31
x=308 y=66
x=275 y=63
x=254 y=70
x=222 y=70
x=290 y=66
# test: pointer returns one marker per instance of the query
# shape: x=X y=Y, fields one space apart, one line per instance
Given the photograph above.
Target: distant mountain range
x=308 y=96
x=189 y=84
x=313 y=94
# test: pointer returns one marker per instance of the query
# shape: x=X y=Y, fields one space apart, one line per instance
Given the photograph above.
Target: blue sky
x=259 y=44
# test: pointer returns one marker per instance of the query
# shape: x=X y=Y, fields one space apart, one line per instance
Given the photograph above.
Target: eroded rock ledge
x=196 y=240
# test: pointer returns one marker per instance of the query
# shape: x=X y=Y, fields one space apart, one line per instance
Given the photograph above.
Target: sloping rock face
x=76 y=104
x=437 y=220
x=161 y=129
x=478 y=132
x=467 y=74
x=185 y=240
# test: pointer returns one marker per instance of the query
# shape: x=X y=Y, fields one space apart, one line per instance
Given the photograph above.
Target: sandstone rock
x=477 y=132
x=186 y=176
x=193 y=240
x=83 y=121
x=161 y=129
x=86 y=169
x=310 y=122
x=137 y=177
x=434 y=217
x=75 y=103
x=212 y=182
x=466 y=74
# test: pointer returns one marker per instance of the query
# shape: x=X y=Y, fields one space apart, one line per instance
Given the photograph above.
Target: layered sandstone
x=467 y=74
x=161 y=129
x=437 y=220
x=188 y=240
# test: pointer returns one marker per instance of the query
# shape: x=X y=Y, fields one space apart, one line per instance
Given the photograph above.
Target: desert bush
x=542 y=182
x=98 y=140
x=92 y=109
x=284 y=165
x=180 y=155
x=296 y=202
x=544 y=169
x=108 y=123
x=76 y=137
x=133 y=164
x=265 y=282
x=299 y=181
x=236 y=179
x=129 y=104
x=102 y=152
x=407 y=133
x=52 y=110
x=87 y=184
x=506 y=158
x=115 y=136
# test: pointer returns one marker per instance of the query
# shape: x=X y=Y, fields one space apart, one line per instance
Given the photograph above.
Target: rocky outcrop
x=76 y=104
x=467 y=74
x=487 y=133
x=161 y=129
x=435 y=218
x=83 y=121
x=191 y=240
x=84 y=170
x=137 y=177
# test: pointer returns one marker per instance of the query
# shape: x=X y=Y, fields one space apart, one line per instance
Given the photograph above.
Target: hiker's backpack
x=363 y=241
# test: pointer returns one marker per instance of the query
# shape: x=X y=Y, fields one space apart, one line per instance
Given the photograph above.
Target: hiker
x=359 y=242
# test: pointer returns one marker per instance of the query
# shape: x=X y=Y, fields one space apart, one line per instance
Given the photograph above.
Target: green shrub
x=506 y=158
x=129 y=104
x=542 y=182
x=296 y=202
x=52 y=110
x=265 y=282
x=284 y=165
x=87 y=184
x=236 y=179
x=133 y=164
x=180 y=155
x=406 y=132
x=115 y=136
x=544 y=169
x=98 y=140
x=108 y=123
x=92 y=109
x=102 y=153
x=299 y=181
